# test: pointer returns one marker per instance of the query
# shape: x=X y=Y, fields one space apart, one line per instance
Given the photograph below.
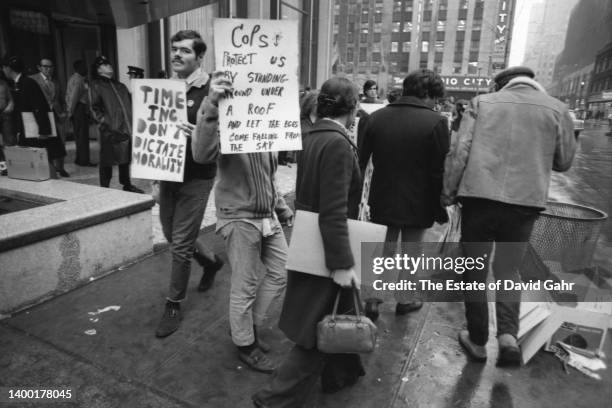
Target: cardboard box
x=27 y=163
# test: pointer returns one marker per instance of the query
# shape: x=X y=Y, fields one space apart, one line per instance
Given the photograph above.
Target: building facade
x=600 y=91
x=466 y=41
x=548 y=21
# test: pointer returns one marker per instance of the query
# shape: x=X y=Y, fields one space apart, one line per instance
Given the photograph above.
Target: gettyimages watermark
x=513 y=272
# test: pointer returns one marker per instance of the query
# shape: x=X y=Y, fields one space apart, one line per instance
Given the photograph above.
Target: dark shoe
x=371 y=308
x=210 y=270
x=63 y=173
x=405 y=308
x=509 y=352
x=476 y=352
x=171 y=320
x=4 y=172
x=257 y=360
x=132 y=189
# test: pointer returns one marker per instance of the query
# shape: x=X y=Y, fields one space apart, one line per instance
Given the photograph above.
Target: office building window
x=456 y=68
x=427 y=15
x=441 y=25
x=376 y=56
x=441 y=15
x=377 y=27
x=474 y=56
x=440 y=35
x=458 y=56
x=397 y=6
x=463 y=4
x=461 y=25
x=423 y=64
x=425 y=46
x=478 y=10
x=476 y=35
x=378 y=17
x=425 y=35
x=462 y=14
x=350 y=38
x=406 y=46
x=394 y=46
x=349 y=54
x=376 y=37
x=472 y=69
x=408 y=5
x=396 y=27
x=363 y=54
x=363 y=38
x=408 y=26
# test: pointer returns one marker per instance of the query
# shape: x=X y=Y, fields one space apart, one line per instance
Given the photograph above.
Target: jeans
x=251 y=295
x=106 y=174
x=181 y=209
x=408 y=234
x=484 y=222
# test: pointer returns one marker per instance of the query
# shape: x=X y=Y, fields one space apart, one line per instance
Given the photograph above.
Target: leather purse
x=346 y=333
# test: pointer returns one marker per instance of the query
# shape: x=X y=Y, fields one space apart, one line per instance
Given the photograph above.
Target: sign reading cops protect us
x=261 y=59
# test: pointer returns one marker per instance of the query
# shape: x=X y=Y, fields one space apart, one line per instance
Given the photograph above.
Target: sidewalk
x=417 y=363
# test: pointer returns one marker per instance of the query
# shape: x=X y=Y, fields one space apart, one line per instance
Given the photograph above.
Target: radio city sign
x=466 y=83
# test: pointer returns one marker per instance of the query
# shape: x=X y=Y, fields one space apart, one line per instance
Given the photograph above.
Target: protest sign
x=261 y=59
x=158 y=146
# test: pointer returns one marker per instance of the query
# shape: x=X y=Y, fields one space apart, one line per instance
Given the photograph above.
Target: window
x=406 y=46
x=408 y=16
x=422 y=64
x=438 y=57
x=456 y=68
x=460 y=36
x=425 y=36
x=349 y=54
x=479 y=10
x=397 y=7
x=441 y=25
x=427 y=15
x=376 y=37
x=462 y=14
x=396 y=27
x=439 y=45
x=377 y=27
x=443 y=4
x=472 y=70
x=363 y=54
x=441 y=15
x=458 y=56
x=378 y=17
x=473 y=56
x=476 y=35
x=376 y=47
x=408 y=4
x=474 y=45
x=394 y=46
x=461 y=25
x=376 y=56
x=424 y=56
x=425 y=46
x=363 y=38
x=350 y=38
x=463 y=4
x=407 y=26
x=440 y=35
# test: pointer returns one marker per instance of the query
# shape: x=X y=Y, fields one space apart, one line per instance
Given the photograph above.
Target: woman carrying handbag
x=328 y=183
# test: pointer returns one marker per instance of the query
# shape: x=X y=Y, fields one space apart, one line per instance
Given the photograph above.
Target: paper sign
x=30 y=127
x=261 y=59
x=158 y=146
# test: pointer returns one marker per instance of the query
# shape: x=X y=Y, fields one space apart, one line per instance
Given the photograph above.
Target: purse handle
x=356 y=300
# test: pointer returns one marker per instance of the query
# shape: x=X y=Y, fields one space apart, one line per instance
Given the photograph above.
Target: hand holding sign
x=220 y=87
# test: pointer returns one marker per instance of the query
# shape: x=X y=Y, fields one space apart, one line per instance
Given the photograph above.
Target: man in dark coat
x=111 y=105
x=408 y=142
x=28 y=97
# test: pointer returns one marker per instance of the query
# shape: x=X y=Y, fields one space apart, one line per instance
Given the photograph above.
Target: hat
x=101 y=60
x=512 y=72
x=138 y=72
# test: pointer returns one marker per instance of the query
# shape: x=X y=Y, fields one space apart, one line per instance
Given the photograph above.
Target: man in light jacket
x=499 y=169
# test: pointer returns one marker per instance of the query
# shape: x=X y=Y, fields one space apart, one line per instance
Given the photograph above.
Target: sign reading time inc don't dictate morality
x=261 y=59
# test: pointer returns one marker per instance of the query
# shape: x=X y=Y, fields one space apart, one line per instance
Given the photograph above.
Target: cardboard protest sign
x=158 y=146
x=261 y=59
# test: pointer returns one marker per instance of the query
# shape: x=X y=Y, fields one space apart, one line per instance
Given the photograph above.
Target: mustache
x=177 y=59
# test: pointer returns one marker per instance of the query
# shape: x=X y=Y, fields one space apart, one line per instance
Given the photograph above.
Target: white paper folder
x=306 y=253
x=30 y=127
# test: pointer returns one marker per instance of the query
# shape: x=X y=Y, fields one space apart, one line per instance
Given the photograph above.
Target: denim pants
x=181 y=209
x=408 y=234
x=252 y=294
x=484 y=222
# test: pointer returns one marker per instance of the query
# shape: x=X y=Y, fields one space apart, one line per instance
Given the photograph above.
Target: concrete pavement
x=418 y=362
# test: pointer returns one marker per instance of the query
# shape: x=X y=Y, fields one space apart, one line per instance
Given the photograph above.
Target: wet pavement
x=417 y=363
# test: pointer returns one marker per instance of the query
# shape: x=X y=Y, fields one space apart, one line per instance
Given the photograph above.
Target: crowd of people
x=494 y=159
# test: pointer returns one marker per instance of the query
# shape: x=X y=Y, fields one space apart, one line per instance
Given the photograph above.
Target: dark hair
x=199 y=46
x=308 y=103
x=338 y=97
x=14 y=62
x=423 y=83
x=78 y=64
x=367 y=85
x=394 y=94
x=45 y=58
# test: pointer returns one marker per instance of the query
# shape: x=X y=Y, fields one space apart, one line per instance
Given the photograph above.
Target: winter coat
x=111 y=106
x=328 y=183
x=507 y=144
x=408 y=142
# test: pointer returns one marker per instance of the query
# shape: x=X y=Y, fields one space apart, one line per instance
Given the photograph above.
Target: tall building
x=548 y=21
x=466 y=41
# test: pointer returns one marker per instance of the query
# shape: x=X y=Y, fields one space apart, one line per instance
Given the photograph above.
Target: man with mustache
x=182 y=205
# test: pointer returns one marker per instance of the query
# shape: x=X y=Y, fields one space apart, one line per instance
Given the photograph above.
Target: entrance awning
x=121 y=13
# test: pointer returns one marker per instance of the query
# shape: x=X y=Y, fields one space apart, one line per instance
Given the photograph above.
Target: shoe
x=210 y=270
x=257 y=360
x=477 y=353
x=132 y=189
x=509 y=352
x=171 y=320
x=405 y=308
x=63 y=173
x=371 y=308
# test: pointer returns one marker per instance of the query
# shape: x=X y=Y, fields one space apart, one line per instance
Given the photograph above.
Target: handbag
x=346 y=333
x=449 y=242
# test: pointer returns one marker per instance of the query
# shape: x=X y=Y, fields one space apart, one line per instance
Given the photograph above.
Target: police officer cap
x=135 y=71
x=513 y=72
x=101 y=60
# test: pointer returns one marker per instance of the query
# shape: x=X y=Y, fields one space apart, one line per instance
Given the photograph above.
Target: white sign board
x=158 y=146
x=261 y=59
